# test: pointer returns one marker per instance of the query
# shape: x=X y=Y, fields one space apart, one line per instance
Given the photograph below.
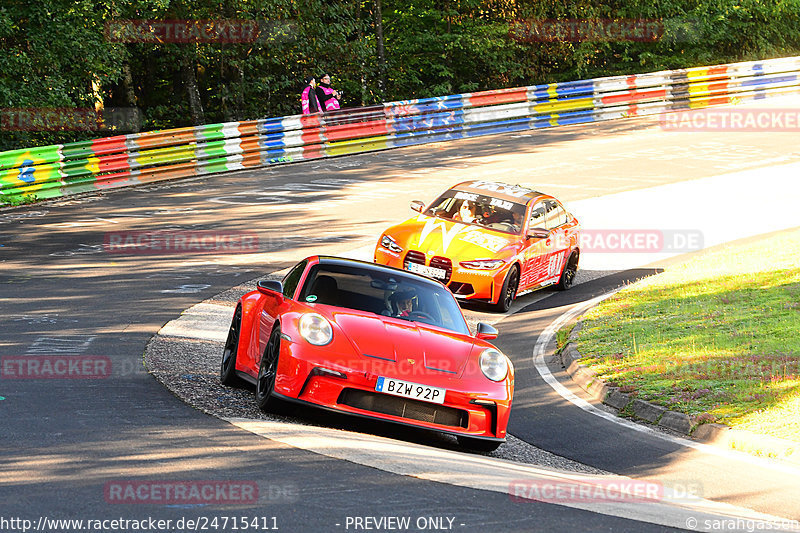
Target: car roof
x=499 y=189
x=343 y=261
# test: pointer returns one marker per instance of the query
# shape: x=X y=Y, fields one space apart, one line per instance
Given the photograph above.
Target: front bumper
x=464 y=283
x=473 y=406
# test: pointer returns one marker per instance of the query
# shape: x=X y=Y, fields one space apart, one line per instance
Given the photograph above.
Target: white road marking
x=496 y=475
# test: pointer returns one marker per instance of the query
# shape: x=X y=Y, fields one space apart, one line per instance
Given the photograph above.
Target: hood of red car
x=403 y=348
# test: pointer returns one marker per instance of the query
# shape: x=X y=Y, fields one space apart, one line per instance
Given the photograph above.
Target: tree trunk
x=127 y=85
x=381 y=57
x=189 y=79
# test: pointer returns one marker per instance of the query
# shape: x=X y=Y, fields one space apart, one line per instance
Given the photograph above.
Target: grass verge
x=716 y=337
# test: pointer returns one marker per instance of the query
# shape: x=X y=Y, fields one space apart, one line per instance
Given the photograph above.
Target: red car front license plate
x=407 y=389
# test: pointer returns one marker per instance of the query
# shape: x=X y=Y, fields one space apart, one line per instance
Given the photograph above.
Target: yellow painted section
x=93 y=165
x=554 y=120
x=698 y=103
x=694 y=74
x=560 y=106
x=698 y=88
x=356 y=146
x=551 y=90
x=172 y=154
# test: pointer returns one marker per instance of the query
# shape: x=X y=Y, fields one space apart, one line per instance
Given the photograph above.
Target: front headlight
x=391 y=244
x=494 y=364
x=316 y=329
x=483 y=264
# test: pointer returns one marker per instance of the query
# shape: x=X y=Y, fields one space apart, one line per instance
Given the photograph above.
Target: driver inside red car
x=403 y=302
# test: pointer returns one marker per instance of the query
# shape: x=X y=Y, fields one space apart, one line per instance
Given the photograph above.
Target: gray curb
x=714 y=434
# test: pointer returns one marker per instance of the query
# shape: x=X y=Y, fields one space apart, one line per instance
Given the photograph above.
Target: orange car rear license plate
x=407 y=389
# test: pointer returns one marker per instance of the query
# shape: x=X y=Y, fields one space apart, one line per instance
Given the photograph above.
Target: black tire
x=568 y=274
x=478 y=445
x=509 y=290
x=227 y=370
x=267 y=370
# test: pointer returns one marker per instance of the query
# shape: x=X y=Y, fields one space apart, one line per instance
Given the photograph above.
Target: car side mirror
x=486 y=332
x=538 y=233
x=270 y=286
x=417 y=205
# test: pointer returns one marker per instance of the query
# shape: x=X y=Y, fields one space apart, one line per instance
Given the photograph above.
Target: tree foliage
x=58 y=53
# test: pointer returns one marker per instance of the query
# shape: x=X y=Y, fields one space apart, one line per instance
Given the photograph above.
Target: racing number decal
x=554 y=265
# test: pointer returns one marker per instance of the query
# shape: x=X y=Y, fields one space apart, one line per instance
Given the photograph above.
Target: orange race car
x=487 y=242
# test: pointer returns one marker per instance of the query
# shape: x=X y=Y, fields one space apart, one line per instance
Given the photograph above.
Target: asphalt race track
x=68 y=444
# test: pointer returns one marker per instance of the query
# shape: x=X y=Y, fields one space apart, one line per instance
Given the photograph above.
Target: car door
x=534 y=264
x=557 y=242
x=273 y=305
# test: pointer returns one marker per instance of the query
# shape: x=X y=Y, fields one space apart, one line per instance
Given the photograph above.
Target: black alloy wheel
x=267 y=370
x=227 y=371
x=509 y=291
x=567 y=278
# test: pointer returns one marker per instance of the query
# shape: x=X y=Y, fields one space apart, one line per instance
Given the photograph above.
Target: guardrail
x=99 y=164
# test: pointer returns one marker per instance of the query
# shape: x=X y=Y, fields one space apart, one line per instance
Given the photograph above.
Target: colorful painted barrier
x=60 y=170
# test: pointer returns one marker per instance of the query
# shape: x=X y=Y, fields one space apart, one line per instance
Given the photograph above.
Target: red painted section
x=313 y=151
x=158 y=139
x=506 y=96
x=248 y=128
x=356 y=131
x=634 y=96
x=718 y=71
x=110 y=163
x=717 y=88
x=110 y=181
x=109 y=145
x=181 y=170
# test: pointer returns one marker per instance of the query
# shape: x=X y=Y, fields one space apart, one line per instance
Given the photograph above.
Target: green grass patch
x=17 y=200
x=717 y=334
x=562 y=337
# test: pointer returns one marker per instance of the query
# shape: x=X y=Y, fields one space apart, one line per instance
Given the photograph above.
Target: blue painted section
x=409 y=139
x=272 y=141
x=571 y=88
x=271 y=125
x=502 y=126
x=26 y=171
x=427 y=121
x=770 y=80
x=564 y=119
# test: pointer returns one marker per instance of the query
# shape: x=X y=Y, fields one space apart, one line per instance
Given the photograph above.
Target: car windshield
x=391 y=294
x=478 y=209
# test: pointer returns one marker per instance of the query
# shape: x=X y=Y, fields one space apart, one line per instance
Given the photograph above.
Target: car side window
x=292 y=279
x=555 y=215
x=536 y=220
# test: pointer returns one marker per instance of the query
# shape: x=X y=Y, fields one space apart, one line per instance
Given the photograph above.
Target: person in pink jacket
x=308 y=98
x=328 y=98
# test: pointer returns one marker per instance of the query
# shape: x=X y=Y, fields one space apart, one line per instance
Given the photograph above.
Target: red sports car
x=373 y=341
